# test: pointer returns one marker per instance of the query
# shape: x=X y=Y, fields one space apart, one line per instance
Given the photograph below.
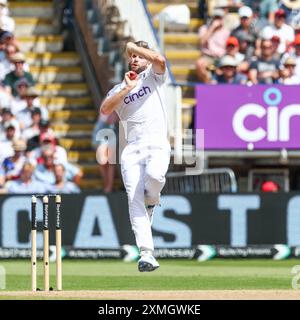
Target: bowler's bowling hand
x=130 y=79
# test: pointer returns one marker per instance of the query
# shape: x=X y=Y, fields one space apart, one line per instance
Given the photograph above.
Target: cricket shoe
x=147 y=263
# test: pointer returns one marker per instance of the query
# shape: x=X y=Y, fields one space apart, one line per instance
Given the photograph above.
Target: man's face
x=26 y=174
x=231 y=49
x=279 y=21
x=267 y=48
x=10 y=51
x=19 y=67
x=137 y=63
x=228 y=71
x=22 y=88
x=246 y=21
x=10 y=133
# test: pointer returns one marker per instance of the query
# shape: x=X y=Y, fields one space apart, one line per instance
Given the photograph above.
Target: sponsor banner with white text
x=258 y=117
x=97 y=221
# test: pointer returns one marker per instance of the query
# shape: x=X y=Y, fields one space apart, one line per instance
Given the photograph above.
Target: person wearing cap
x=295 y=54
x=228 y=72
x=233 y=49
x=45 y=168
x=246 y=29
x=11 y=167
x=34 y=141
x=11 y=78
x=31 y=101
x=275 y=45
x=292 y=10
x=47 y=140
x=7 y=64
x=212 y=38
x=280 y=29
x=264 y=69
x=287 y=72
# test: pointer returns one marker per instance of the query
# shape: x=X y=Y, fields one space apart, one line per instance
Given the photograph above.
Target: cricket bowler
x=139 y=103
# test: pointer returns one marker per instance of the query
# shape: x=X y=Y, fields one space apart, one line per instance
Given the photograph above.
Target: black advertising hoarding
x=100 y=221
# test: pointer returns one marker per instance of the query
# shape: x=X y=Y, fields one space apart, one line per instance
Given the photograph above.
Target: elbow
x=162 y=62
x=104 y=110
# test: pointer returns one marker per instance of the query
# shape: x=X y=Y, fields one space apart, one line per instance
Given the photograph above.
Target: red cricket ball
x=132 y=75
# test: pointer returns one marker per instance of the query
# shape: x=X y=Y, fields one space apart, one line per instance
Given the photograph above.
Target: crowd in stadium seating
x=31 y=161
x=263 y=48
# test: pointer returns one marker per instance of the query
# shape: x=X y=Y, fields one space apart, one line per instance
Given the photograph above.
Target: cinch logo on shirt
x=137 y=95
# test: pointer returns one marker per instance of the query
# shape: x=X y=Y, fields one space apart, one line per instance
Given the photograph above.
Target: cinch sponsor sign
x=249 y=117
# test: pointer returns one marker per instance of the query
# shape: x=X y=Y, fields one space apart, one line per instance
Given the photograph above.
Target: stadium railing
x=210 y=180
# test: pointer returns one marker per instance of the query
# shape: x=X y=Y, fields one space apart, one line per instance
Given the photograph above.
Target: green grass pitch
x=172 y=275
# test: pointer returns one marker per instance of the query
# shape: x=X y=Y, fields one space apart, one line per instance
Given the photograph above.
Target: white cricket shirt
x=143 y=110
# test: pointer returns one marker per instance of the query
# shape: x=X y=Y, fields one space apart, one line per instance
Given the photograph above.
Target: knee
x=155 y=177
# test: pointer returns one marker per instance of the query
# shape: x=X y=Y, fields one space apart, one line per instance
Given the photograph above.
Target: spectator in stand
x=264 y=69
x=287 y=72
x=62 y=185
x=275 y=45
x=26 y=183
x=11 y=78
x=44 y=170
x=34 y=129
x=247 y=47
x=280 y=29
x=212 y=44
x=264 y=11
x=34 y=142
x=8 y=38
x=48 y=142
x=18 y=102
x=6 y=149
x=12 y=166
x=7 y=64
x=228 y=72
x=292 y=10
x=296 y=28
x=232 y=49
x=202 y=9
x=2 y=48
x=295 y=54
x=8 y=117
x=7 y=23
x=246 y=24
x=31 y=101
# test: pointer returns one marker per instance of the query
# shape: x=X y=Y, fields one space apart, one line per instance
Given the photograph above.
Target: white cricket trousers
x=143 y=171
